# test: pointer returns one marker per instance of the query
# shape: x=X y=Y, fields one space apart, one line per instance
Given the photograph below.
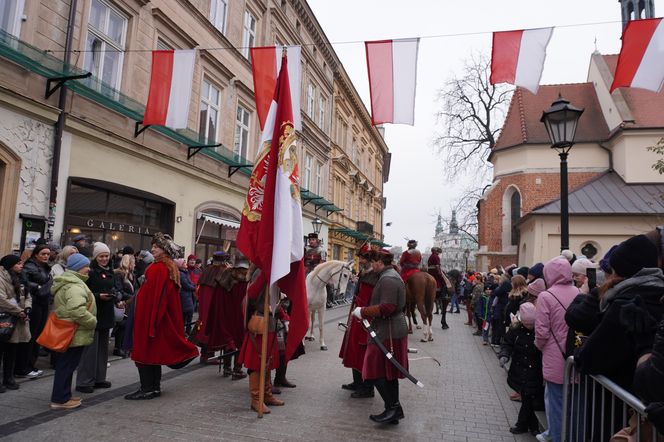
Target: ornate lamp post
x=317 y=224
x=561 y=120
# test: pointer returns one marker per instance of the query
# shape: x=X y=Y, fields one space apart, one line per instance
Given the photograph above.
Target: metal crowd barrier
x=595 y=408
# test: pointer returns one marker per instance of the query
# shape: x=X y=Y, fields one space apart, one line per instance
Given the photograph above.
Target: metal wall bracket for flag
x=138 y=129
x=60 y=81
x=193 y=150
x=233 y=169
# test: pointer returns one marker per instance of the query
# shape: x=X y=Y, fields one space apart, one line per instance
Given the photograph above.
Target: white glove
x=286 y=325
x=357 y=312
x=502 y=361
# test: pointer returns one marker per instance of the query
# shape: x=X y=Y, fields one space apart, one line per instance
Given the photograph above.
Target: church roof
x=609 y=194
x=522 y=124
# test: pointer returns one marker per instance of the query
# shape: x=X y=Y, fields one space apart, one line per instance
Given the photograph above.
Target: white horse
x=336 y=274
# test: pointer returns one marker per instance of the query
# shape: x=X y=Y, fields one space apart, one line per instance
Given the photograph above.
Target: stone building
x=614 y=192
x=458 y=248
x=116 y=180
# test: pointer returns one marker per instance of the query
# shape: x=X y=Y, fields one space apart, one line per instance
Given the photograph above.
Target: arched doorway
x=10 y=172
x=216 y=229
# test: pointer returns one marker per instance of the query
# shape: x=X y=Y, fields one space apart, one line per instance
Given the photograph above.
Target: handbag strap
x=555 y=339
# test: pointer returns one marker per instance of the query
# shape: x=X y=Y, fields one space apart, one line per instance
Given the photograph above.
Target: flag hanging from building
x=392 y=66
x=517 y=57
x=170 y=88
x=271 y=233
x=265 y=66
x=641 y=60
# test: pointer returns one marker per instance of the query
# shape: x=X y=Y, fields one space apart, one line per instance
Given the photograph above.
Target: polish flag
x=170 y=88
x=265 y=65
x=518 y=57
x=640 y=63
x=271 y=226
x=392 y=66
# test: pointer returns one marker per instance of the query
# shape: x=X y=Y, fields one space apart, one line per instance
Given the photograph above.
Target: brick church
x=614 y=192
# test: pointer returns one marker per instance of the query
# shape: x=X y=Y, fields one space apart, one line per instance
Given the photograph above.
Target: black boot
x=147 y=375
x=365 y=390
x=357 y=381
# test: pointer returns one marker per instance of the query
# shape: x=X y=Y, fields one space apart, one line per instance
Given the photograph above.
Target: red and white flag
x=265 y=66
x=170 y=88
x=641 y=60
x=392 y=66
x=271 y=233
x=518 y=57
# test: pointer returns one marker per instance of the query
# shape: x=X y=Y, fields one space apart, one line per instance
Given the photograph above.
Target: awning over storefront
x=354 y=234
x=318 y=201
x=220 y=221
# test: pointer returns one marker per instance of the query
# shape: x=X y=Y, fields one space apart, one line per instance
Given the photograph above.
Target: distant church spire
x=636 y=9
x=454 y=226
x=439 y=225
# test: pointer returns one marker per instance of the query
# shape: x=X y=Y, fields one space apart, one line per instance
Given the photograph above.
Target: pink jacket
x=550 y=326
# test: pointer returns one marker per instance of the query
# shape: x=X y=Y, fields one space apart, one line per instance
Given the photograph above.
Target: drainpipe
x=60 y=125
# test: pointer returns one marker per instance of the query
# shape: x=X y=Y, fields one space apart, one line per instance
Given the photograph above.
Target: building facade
x=116 y=180
x=458 y=248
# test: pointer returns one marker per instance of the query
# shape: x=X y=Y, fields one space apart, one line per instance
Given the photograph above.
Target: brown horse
x=421 y=292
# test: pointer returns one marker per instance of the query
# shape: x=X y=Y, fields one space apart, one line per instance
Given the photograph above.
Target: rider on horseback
x=410 y=260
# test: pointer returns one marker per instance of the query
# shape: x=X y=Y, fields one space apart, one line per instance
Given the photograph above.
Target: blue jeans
x=64 y=370
x=454 y=302
x=553 y=403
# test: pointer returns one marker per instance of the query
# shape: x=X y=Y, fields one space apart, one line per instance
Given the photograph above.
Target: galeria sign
x=129 y=228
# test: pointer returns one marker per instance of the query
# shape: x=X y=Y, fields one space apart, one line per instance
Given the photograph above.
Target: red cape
x=205 y=295
x=158 y=325
x=354 y=344
x=225 y=320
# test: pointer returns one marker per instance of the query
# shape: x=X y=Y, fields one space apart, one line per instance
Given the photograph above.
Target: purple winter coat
x=550 y=326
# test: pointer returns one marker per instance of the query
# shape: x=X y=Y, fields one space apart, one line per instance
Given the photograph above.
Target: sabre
x=388 y=355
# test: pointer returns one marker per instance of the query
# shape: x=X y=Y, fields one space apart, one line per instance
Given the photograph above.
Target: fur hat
x=527 y=315
x=536 y=287
x=9 y=261
x=99 y=248
x=166 y=243
x=412 y=243
x=241 y=264
x=77 y=261
x=633 y=255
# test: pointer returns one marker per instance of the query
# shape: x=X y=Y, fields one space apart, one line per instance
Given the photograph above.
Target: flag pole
x=266 y=315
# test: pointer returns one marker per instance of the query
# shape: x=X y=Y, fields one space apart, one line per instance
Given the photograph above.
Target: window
x=10 y=16
x=336 y=252
x=218 y=10
x=209 y=112
x=311 y=96
x=353 y=152
x=107 y=30
x=319 y=179
x=241 y=132
x=162 y=45
x=249 y=35
x=350 y=204
x=308 y=160
x=515 y=212
x=322 y=104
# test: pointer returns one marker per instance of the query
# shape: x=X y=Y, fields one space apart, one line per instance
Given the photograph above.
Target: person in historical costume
x=314 y=253
x=225 y=321
x=250 y=352
x=157 y=326
x=410 y=260
x=434 y=269
x=208 y=287
x=354 y=344
x=283 y=311
x=385 y=311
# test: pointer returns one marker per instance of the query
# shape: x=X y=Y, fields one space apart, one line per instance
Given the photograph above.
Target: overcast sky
x=416 y=190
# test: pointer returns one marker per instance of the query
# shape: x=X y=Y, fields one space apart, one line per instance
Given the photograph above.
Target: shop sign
x=108 y=225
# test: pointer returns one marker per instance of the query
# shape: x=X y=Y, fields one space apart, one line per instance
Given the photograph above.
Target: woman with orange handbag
x=73 y=302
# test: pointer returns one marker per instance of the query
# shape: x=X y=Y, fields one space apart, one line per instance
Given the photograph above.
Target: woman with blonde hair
x=516 y=297
x=125 y=285
x=61 y=261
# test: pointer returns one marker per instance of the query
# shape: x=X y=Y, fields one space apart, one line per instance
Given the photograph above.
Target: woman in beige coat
x=16 y=301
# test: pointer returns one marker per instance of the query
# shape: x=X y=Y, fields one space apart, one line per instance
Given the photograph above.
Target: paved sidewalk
x=466 y=399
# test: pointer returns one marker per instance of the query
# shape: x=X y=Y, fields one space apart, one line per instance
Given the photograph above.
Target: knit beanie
x=633 y=255
x=148 y=258
x=100 y=248
x=9 y=261
x=536 y=287
x=568 y=255
x=581 y=265
x=77 y=261
x=523 y=271
x=527 y=315
x=180 y=262
x=537 y=270
x=604 y=262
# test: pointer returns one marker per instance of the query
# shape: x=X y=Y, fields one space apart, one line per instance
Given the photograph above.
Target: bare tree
x=471 y=115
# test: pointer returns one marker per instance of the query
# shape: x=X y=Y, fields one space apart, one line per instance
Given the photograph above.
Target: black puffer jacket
x=649 y=381
x=38 y=279
x=102 y=280
x=629 y=313
x=525 y=373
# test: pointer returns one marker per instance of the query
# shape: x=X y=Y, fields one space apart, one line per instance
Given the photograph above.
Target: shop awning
x=83 y=83
x=354 y=234
x=220 y=221
x=318 y=201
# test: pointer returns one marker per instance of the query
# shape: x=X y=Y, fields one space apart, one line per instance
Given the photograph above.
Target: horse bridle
x=339 y=272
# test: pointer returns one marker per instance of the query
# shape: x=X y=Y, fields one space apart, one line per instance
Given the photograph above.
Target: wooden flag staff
x=266 y=315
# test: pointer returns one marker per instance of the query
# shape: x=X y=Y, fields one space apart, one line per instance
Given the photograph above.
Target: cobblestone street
x=466 y=399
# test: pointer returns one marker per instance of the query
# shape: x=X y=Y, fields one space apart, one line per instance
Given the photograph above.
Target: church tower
x=636 y=9
x=454 y=226
x=439 y=225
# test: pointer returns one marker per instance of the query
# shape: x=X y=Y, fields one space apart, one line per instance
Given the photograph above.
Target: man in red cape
x=354 y=344
x=225 y=322
x=158 y=327
x=208 y=288
x=410 y=260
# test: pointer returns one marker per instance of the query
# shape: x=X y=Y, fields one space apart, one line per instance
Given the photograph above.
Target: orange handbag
x=57 y=334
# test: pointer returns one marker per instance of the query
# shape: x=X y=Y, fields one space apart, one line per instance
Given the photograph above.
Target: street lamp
x=317 y=225
x=561 y=120
x=466 y=254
